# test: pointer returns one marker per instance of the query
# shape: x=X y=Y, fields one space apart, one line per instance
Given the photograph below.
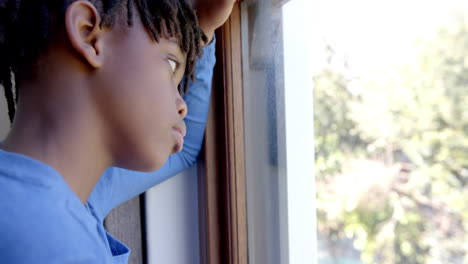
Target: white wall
x=172 y=220
x=4 y=122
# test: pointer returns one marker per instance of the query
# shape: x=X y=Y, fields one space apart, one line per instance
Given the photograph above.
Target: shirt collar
x=26 y=169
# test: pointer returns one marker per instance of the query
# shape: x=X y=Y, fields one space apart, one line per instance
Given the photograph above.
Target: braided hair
x=19 y=51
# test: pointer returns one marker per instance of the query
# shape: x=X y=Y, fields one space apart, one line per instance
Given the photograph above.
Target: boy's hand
x=212 y=14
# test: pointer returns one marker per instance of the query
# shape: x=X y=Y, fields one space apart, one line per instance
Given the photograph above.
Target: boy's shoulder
x=40 y=224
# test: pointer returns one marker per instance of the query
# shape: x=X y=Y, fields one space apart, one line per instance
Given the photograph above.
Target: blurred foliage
x=392 y=156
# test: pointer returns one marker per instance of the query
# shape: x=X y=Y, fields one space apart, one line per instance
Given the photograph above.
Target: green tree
x=392 y=160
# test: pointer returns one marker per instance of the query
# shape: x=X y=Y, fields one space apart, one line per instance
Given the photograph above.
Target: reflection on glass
x=264 y=126
x=391 y=131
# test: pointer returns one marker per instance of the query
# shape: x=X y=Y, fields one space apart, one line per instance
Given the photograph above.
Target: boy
x=96 y=85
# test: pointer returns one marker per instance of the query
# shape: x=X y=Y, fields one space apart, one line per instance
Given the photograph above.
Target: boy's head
x=120 y=60
x=27 y=28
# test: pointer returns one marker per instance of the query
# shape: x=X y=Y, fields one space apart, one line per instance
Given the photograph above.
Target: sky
x=376 y=34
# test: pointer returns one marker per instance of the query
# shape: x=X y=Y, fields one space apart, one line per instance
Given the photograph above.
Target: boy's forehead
x=167 y=34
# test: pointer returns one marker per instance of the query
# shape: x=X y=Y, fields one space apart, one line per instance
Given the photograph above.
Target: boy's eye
x=173 y=64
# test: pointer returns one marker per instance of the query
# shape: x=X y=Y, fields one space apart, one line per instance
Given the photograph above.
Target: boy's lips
x=181 y=130
x=179 y=133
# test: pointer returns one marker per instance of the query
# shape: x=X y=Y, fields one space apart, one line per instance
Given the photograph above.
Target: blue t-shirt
x=43 y=221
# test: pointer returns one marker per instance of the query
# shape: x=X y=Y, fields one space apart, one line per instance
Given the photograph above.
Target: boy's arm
x=119 y=185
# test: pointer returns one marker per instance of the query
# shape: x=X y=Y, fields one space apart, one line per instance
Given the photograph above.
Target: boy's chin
x=145 y=163
x=151 y=165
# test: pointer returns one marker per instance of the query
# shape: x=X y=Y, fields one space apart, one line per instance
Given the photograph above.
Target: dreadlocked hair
x=19 y=50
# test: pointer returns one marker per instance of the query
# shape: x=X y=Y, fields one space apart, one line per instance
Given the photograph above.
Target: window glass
x=264 y=126
x=391 y=130
x=278 y=132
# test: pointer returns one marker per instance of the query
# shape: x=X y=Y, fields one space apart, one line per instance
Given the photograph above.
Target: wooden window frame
x=223 y=207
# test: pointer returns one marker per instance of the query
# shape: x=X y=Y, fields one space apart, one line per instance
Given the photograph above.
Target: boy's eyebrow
x=176 y=42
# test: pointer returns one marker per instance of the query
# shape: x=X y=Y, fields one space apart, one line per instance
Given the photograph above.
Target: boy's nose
x=181 y=107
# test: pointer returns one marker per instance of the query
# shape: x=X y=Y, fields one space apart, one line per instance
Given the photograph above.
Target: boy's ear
x=82 y=24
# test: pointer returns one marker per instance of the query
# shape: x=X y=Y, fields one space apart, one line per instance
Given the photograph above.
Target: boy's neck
x=61 y=131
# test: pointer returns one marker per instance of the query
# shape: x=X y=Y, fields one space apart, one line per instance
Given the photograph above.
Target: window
x=391 y=131
x=259 y=145
x=278 y=132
